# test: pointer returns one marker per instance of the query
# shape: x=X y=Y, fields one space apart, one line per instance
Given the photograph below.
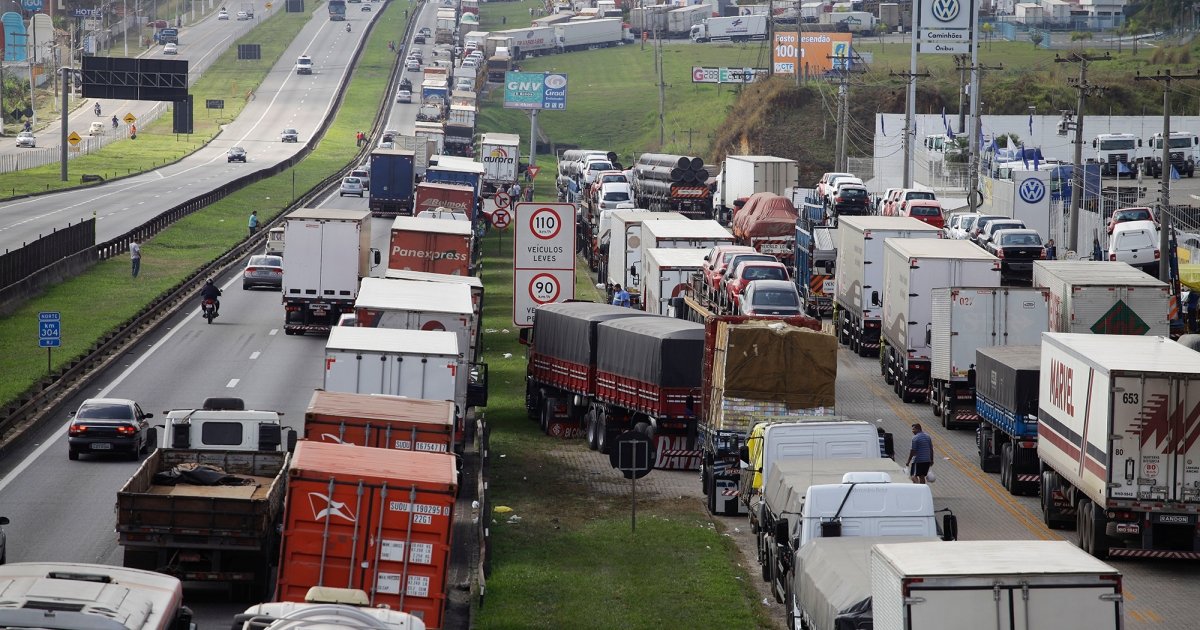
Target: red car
x=1130 y=214
x=716 y=260
x=925 y=210
x=748 y=272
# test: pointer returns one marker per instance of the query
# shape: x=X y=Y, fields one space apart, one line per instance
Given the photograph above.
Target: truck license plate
x=319 y=311
x=775 y=248
x=828 y=287
x=101 y=446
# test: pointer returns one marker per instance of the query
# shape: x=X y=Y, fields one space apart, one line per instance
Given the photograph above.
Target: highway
x=285 y=99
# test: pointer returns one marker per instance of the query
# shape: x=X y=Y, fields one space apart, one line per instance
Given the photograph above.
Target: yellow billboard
x=821 y=52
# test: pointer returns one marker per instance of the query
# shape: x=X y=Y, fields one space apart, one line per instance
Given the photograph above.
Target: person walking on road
x=1051 y=250
x=135 y=256
x=621 y=297
x=920 y=455
x=253 y=224
x=514 y=192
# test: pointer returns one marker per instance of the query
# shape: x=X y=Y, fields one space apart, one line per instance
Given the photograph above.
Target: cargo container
x=454 y=197
x=589 y=34
x=684 y=234
x=680 y=21
x=435 y=135
x=738 y=28
x=373 y=519
x=407 y=424
x=420 y=148
x=329 y=252
x=1006 y=399
x=431 y=245
x=968 y=584
x=967 y=319
x=912 y=269
x=412 y=363
x=463 y=115
x=1117 y=439
x=621 y=251
x=668 y=274
x=501 y=156
x=393 y=174
x=1103 y=297
x=859 y=280
x=459 y=140
x=814 y=261
x=384 y=303
x=744 y=175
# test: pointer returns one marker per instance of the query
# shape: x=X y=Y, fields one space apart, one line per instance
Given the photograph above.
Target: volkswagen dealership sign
x=945 y=26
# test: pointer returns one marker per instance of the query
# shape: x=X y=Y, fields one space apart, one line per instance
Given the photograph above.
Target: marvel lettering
x=1061 y=392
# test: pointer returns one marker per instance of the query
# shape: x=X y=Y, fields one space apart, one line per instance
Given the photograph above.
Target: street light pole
x=125 y=27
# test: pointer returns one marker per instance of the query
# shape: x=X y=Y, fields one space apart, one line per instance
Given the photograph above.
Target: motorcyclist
x=210 y=292
x=115 y=122
x=347 y=27
x=97 y=109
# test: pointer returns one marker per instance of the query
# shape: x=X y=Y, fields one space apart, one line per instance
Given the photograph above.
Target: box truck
x=744 y=175
x=329 y=251
x=667 y=273
x=393 y=174
x=501 y=155
x=624 y=244
x=738 y=28
x=384 y=303
x=1103 y=297
x=431 y=245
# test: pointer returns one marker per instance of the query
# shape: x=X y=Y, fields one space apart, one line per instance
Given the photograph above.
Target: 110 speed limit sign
x=535 y=287
x=543 y=257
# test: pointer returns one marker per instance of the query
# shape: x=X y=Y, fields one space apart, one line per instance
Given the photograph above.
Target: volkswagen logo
x=945 y=10
x=1032 y=190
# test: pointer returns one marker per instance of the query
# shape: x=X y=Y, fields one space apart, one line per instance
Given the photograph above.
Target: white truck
x=1117 y=154
x=859 y=279
x=690 y=234
x=76 y=595
x=501 y=156
x=624 y=261
x=421 y=147
x=386 y=303
x=412 y=363
x=744 y=175
x=1184 y=153
x=680 y=21
x=966 y=319
x=1103 y=297
x=648 y=19
x=224 y=424
x=530 y=41
x=912 y=269
x=329 y=251
x=589 y=34
x=992 y=585
x=1117 y=441
x=836 y=498
x=737 y=28
x=667 y=273
x=326 y=607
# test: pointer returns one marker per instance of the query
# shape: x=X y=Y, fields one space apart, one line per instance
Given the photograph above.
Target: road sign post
x=543 y=257
x=49 y=334
x=500 y=218
x=631 y=456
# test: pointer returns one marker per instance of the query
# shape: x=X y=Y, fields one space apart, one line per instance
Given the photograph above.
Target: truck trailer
x=966 y=319
x=1103 y=297
x=620 y=249
x=1006 y=399
x=738 y=28
x=767 y=222
x=329 y=251
x=667 y=273
x=432 y=245
x=814 y=261
x=393 y=175
x=744 y=175
x=859 y=283
x=501 y=157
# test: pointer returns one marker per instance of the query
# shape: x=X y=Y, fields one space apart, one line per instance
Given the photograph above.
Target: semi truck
x=431 y=245
x=1103 y=297
x=531 y=41
x=329 y=251
x=967 y=319
x=1183 y=151
x=680 y=21
x=589 y=34
x=912 y=269
x=667 y=273
x=648 y=19
x=620 y=246
x=1116 y=438
x=326 y=607
x=672 y=183
x=501 y=156
x=815 y=257
x=457 y=198
x=77 y=595
x=1006 y=400
x=393 y=175
x=385 y=303
x=1117 y=154
x=859 y=281
x=738 y=28
x=179 y=520
x=409 y=424
x=744 y=175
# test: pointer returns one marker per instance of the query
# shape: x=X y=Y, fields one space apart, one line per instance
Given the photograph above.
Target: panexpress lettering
x=1061 y=390
x=421 y=253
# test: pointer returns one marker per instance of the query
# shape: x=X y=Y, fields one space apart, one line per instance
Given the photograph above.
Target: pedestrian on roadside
x=358 y=139
x=1051 y=250
x=253 y=224
x=514 y=191
x=133 y=132
x=135 y=256
x=920 y=455
x=620 y=296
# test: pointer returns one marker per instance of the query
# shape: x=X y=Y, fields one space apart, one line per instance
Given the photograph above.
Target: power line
x=1085 y=90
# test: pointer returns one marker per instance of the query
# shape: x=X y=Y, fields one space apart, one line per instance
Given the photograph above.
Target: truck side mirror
x=831 y=529
x=376 y=257
x=874 y=298
x=928 y=334
x=291 y=440
x=949 y=527
x=523 y=337
x=744 y=453
x=1094 y=144
x=1139 y=142
x=782 y=530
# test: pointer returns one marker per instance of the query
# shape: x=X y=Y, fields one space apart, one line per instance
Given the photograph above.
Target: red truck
x=455 y=198
x=768 y=224
x=601 y=370
x=431 y=245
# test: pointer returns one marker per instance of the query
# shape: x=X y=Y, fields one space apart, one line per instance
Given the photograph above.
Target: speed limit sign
x=535 y=287
x=545 y=236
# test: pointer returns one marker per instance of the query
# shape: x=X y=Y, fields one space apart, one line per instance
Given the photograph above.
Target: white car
x=223 y=15
x=412 y=65
x=1136 y=243
x=404 y=96
x=351 y=186
x=170 y=48
x=770 y=297
x=26 y=139
x=242 y=16
x=959 y=225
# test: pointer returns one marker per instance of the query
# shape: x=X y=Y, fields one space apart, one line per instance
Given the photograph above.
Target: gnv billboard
x=535 y=90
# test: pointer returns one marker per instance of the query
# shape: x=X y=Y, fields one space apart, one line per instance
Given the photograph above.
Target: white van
x=1136 y=243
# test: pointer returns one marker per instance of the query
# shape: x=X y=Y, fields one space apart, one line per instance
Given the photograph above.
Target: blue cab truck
x=1006 y=399
x=393 y=178
x=460 y=171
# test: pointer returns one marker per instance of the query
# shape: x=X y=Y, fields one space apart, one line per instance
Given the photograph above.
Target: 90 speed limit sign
x=535 y=287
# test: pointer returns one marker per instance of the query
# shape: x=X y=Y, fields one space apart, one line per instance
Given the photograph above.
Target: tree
x=1036 y=37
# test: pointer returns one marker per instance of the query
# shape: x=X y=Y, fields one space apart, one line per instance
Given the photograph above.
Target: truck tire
x=589 y=426
x=789 y=598
x=936 y=395
x=768 y=572
x=602 y=432
x=764 y=561
x=710 y=490
x=1049 y=516
x=1090 y=524
x=546 y=415
x=532 y=404
x=987 y=461
x=1007 y=478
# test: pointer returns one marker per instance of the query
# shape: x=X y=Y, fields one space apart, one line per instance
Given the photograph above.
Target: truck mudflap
x=1153 y=553
x=672 y=453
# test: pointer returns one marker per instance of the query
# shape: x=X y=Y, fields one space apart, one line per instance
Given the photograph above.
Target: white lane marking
x=254 y=355
x=232 y=383
x=273 y=331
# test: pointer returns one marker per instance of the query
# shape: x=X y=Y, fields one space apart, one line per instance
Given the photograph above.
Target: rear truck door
x=981 y=605
x=1156 y=457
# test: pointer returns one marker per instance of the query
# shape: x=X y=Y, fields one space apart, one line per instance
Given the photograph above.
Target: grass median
x=228 y=79
x=99 y=300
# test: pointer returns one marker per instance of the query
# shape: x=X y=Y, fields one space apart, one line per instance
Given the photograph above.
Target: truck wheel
x=987 y=461
x=789 y=599
x=532 y=403
x=546 y=415
x=710 y=487
x=602 y=433
x=589 y=423
x=769 y=566
x=764 y=561
x=935 y=401
x=1006 y=473
x=1049 y=516
x=1094 y=523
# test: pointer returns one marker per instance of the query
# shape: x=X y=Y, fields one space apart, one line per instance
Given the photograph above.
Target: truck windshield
x=1116 y=145
x=1178 y=143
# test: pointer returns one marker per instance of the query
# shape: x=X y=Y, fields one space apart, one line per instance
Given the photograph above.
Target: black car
x=418 y=39
x=1017 y=249
x=852 y=200
x=237 y=154
x=109 y=425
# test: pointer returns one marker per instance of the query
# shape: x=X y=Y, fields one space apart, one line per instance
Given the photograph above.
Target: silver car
x=26 y=139
x=290 y=135
x=351 y=186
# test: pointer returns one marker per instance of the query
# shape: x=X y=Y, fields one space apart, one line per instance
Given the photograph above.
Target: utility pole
x=1166 y=78
x=799 y=41
x=974 y=196
x=771 y=38
x=662 y=93
x=841 y=160
x=910 y=107
x=963 y=62
x=1085 y=90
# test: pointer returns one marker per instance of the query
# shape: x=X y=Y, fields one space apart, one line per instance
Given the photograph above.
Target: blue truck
x=393 y=178
x=1006 y=399
x=456 y=170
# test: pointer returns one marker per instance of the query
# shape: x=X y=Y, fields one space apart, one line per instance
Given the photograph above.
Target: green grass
x=228 y=78
x=178 y=251
x=571 y=561
x=618 y=109
x=500 y=16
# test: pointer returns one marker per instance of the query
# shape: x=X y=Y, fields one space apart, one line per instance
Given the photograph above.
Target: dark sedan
x=1017 y=249
x=109 y=425
x=237 y=154
x=263 y=271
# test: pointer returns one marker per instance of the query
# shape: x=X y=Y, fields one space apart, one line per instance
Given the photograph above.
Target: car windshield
x=599 y=166
x=616 y=196
x=920 y=194
x=266 y=261
x=105 y=411
x=359 y=173
x=613 y=178
x=925 y=211
x=1022 y=240
x=236 y=150
x=776 y=298
x=351 y=181
x=764 y=273
x=853 y=193
x=1133 y=215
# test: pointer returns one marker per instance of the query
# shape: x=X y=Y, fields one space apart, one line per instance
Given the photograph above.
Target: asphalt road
x=285 y=99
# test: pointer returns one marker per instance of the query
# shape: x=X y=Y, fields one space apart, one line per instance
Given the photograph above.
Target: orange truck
x=431 y=245
x=407 y=424
x=374 y=519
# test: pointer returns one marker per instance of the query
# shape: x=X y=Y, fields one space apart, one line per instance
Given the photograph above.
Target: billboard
x=727 y=75
x=535 y=90
x=818 y=50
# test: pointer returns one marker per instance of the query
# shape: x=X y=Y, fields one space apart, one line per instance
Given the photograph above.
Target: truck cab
x=223 y=424
x=1184 y=147
x=304 y=65
x=1117 y=153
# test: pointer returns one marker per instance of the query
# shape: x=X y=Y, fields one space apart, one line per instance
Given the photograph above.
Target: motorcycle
x=97 y=109
x=209 y=308
x=347 y=28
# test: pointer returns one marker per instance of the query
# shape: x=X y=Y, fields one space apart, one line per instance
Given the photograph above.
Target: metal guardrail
x=36 y=403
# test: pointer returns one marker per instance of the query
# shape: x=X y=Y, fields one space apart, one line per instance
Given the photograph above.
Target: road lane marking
x=254 y=355
x=273 y=331
x=232 y=383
